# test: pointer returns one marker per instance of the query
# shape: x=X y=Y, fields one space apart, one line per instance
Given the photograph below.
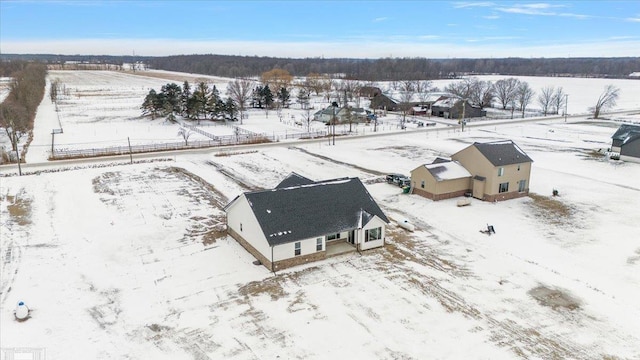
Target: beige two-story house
x=500 y=170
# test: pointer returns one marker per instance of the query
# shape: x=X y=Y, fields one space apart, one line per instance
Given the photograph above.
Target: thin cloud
x=493 y=38
x=539 y=9
x=622 y=37
x=636 y=19
x=463 y=5
x=380 y=19
x=491 y=17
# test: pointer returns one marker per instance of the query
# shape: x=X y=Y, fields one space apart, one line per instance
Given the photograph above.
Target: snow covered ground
x=99 y=109
x=131 y=261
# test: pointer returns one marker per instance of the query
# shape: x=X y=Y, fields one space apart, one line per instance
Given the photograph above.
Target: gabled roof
x=440 y=160
x=293 y=179
x=327 y=111
x=446 y=102
x=414 y=97
x=501 y=153
x=288 y=214
x=447 y=171
x=627 y=133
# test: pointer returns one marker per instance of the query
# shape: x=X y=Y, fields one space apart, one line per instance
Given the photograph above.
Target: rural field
x=132 y=260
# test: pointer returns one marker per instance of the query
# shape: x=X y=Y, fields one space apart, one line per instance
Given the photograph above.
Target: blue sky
x=356 y=29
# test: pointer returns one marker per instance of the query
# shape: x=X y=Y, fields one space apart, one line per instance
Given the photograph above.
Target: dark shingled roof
x=294 y=179
x=627 y=133
x=501 y=153
x=290 y=214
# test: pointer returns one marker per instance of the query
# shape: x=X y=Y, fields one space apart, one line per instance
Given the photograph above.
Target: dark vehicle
x=393 y=178
x=403 y=181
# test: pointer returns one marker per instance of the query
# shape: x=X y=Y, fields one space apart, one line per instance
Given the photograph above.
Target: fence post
x=130 y=154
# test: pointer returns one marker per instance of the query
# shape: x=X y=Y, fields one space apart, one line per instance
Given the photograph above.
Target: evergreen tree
x=230 y=109
x=149 y=104
x=303 y=98
x=283 y=97
x=184 y=99
x=173 y=94
x=267 y=96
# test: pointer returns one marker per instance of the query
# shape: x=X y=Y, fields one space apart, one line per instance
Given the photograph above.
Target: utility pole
x=334 y=126
x=464 y=103
x=19 y=168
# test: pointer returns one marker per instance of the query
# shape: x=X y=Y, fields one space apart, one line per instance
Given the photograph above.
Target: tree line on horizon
x=383 y=69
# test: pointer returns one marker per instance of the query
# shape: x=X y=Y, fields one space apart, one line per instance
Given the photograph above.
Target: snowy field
x=132 y=261
x=99 y=109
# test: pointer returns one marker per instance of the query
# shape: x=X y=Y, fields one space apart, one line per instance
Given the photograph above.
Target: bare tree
x=524 y=94
x=15 y=121
x=462 y=88
x=422 y=89
x=405 y=106
x=407 y=86
x=185 y=133
x=422 y=86
x=307 y=118
x=338 y=91
x=316 y=82
x=505 y=91
x=559 y=100
x=349 y=116
x=607 y=100
x=545 y=99
x=276 y=79
x=239 y=90
x=327 y=89
x=482 y=93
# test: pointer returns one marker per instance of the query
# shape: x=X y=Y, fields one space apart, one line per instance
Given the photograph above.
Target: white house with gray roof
x=302 y=220
x=626 y=142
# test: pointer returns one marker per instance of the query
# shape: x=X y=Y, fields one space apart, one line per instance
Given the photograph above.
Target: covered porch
x=339 y=247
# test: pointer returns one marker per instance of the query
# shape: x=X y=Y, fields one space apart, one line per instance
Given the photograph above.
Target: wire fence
x=242 y=137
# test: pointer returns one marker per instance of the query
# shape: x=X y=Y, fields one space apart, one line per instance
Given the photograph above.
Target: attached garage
x=440 y=180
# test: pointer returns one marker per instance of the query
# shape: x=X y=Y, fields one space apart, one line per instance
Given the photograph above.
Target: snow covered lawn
x=130 y=261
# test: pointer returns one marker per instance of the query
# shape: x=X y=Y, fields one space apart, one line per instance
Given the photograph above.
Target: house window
x=504 y=187
x=319 y=244
x=422 y=184
x=333 y=237
x=240 y=226
x=373 y=234
x=522 y=185
x=297 y=251
x=500 y=171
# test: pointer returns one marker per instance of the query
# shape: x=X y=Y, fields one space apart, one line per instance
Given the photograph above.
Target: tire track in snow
x=326 y=158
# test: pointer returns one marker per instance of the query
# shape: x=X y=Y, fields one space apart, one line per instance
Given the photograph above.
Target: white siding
x=629 y=158
x=287 y=251
x=374 y=223
x=241 y=213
